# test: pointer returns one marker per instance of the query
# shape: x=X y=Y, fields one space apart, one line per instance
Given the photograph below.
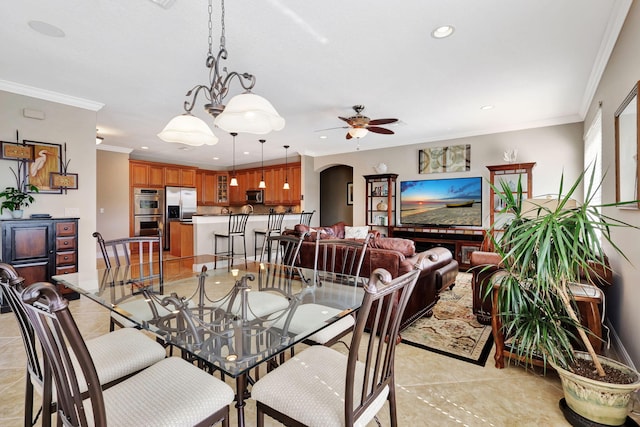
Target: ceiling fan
x=360 y=125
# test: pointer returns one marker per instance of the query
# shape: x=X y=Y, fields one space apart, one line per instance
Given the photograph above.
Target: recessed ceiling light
x=46 y=29
x=323 y=136
x=216 y=158
x=442 y=32
x=246 y=152
x=486 y=107
x=144 y=147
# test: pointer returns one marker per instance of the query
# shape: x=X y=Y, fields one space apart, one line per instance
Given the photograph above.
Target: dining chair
x=274 y=227
x=305 y=217
x=236 y=228
x=336 y=261
x=139 y=259
x=116 y=355
x=169 y=392
x=321 y=386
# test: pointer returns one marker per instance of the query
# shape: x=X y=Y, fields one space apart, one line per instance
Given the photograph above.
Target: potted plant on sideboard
x=15 y=198
x=544 y=249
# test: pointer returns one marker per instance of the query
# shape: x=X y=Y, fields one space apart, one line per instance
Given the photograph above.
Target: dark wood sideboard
x=41 y=248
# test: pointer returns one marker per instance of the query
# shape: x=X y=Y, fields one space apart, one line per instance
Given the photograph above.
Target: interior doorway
x=334 y=205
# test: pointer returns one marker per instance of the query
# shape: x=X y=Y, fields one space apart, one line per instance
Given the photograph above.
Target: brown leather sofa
x=398 y=256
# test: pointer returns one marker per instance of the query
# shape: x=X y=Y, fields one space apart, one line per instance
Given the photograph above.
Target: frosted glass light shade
x=249 y=113
x=188 y=129
x=358 y=132
x=233 y=182
x=285 y=186
x=262 y=184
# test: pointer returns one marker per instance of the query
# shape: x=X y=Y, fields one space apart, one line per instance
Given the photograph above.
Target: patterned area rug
x=453 y=329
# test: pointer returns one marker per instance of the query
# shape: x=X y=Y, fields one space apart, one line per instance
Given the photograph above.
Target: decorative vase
x=17 y=214
x=598 y=401
x=382 y=206
x=380 y=168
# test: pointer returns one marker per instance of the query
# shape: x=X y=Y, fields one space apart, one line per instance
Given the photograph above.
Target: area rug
x=453 y=329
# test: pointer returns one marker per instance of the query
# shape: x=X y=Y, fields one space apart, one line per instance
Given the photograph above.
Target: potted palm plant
x=15 y=198
x=544 y=250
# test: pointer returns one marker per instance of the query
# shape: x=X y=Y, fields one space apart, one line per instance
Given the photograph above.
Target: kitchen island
x=205 y=225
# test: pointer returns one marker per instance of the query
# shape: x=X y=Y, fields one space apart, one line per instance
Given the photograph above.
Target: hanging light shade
x=234 y=180
x=246 y=112
x=358 y=132
x=249 y=113
x=262 y=184
x=286 y=168
x=188 y=129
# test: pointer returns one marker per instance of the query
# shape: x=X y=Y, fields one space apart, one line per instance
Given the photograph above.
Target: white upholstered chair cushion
x=170 y=393
x=310 y=388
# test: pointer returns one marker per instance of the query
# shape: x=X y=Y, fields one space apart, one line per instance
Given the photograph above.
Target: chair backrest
x=58 y=333
x=11 y=286
x=145 y=251
x=338 y=259
x=277 y=263
x=366 y=379
x=238 y=223
x=305 y=217
x=274 y=222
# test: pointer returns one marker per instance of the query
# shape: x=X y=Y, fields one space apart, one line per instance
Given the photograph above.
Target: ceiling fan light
x=249 y=113
x=188 y=129
x=358 y=132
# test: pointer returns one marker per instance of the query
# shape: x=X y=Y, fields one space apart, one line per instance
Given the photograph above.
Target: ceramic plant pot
x=598 y=401
x=17 y=214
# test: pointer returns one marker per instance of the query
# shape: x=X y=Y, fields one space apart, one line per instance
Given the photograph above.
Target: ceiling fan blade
x=348 y=120
x=339 y=127
x=348 y=136
x=376 y=129
x=382 y=121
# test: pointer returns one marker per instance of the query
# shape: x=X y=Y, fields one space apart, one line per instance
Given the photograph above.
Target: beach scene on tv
x=441 y=202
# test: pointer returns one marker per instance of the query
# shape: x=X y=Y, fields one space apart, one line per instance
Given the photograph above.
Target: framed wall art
x=349 y=193
x=66 y=181
x=454 y=158
x=46 y=161
x=15 y=151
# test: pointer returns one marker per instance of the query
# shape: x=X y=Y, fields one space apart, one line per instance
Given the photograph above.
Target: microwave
x=255 y=196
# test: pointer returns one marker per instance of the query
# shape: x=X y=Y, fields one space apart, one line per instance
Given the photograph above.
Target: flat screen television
x=450 y=202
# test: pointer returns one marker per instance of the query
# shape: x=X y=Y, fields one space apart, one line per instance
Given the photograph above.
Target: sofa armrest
x=446 y=276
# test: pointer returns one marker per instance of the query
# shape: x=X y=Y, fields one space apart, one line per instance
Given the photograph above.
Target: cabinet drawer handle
x=66 y=258
x=66 y=242
x=65 y=228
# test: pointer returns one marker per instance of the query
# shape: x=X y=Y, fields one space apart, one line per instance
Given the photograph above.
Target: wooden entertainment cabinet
x=460 y=241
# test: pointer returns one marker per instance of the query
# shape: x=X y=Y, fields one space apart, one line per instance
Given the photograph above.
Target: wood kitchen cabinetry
x=41 y=248
x=212 y=188
x=149 y=174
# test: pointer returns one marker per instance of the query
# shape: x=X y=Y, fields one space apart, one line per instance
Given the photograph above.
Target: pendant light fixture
x=246 y=112
x=262 y=183
x=286 y=168
x=234 y=180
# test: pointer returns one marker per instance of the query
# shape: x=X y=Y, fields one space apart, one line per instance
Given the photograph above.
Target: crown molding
x=114 y=148
x=48 y=95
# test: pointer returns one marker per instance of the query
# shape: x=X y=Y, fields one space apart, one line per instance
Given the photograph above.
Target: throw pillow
x=356 y=232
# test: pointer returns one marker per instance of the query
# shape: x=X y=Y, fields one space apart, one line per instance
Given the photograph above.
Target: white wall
x=112 y=194
x=62 y=124
x=621 y=74
x=554 y=149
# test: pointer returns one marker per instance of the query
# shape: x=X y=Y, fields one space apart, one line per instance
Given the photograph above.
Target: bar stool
x=237 y=227
x=274 y=227
x=305 y=218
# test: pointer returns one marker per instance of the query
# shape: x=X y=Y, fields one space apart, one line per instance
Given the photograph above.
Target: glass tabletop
x=232 y=320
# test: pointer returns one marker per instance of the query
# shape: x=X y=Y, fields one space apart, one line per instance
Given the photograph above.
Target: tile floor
x=432 y=390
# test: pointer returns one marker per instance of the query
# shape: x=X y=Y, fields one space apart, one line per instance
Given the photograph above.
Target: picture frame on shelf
x=349 y=193
x=46 y=160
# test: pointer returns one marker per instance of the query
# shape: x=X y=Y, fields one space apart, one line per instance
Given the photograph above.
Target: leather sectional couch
x=396 y=255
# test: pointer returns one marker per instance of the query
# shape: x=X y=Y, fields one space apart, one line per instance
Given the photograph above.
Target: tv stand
x=461 y=241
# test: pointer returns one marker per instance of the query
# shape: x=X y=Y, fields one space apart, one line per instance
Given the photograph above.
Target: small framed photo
x=349 y=193
x=15 y=151
x=67 y=181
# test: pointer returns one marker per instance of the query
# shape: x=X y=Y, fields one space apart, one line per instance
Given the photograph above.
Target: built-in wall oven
x=148 y=211
x=148 y=201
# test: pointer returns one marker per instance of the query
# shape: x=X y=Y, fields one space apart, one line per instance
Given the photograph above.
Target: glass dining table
x=226 y=321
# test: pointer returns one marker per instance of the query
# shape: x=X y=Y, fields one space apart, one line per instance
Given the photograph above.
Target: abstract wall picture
x=454 y=158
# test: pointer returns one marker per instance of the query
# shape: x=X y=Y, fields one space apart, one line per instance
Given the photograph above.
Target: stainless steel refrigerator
x=180 y=205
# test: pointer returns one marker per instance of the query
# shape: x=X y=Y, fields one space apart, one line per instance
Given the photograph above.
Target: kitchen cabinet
x=41 y=248
x=206 y=187
x=144 y=174
x=222 y=189
x=179 y=176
